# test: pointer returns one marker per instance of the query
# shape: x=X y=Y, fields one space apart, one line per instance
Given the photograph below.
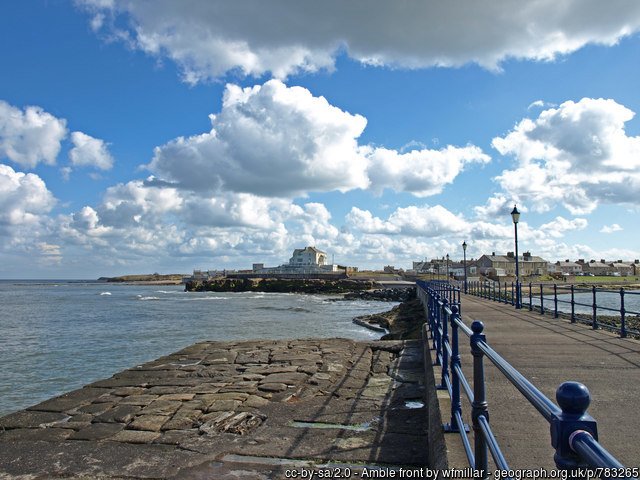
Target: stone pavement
x=223 y=410
x=549 y=351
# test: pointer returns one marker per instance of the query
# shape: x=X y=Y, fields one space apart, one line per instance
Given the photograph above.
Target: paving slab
x=218 y=410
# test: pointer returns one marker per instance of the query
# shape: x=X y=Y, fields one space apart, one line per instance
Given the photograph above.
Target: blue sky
x=166 y=136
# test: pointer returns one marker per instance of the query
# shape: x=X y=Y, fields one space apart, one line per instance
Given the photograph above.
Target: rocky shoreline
x=273 y=285
x=402 y=322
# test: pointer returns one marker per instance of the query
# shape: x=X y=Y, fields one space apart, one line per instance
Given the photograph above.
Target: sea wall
x=278 y=285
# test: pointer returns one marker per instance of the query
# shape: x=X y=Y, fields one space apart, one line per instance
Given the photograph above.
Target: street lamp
x=515 y=215
x=447 y=267
x=464 y=264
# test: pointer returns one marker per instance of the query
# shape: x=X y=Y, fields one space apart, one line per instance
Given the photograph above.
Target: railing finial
x=573 y=398
x=477 y=327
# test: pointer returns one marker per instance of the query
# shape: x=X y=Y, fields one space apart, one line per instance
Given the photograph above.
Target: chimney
x=581 y=261
x=526 y=255
x=567 y=260
x=602 y=260
x=493 y=254
x=510 y=255
x=636 y=261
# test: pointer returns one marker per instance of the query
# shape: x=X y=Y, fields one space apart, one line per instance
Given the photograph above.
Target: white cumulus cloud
x=270 y=140
x=558 y=226
x=24 y=198
x=208 y=38
x=88 y=151
x=279 y=141
x=577 y=155
x=614 y=227
x=30 y=136
x=421 y=172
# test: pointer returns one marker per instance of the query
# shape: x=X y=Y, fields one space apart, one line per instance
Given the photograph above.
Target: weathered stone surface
x=241 y=386
x=141 y=400
x=161 y=407
x=95 y=408
x=181 y=412
x=30 y=419
x=135 y=436
x=269 y=369
x=183 y=419
x=33 y=434
x=70 y=400
x=181 y=397
x=254 y=401
x=127 y=391
x=152 y=423
x=272 y=387
x=97 y=431
x=119 y=414
x=289 y=378
x=223 y=405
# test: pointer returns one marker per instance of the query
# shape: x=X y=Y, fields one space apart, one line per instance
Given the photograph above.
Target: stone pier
x=230 y=410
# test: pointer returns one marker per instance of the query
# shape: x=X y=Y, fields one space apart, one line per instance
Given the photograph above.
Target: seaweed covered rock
x=273 y=285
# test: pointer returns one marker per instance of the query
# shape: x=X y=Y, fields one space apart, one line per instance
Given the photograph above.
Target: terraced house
x=505 y=265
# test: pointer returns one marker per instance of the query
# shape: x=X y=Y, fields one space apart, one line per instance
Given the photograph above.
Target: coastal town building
x=308 y=256
x=505 y=265
x=568 y=268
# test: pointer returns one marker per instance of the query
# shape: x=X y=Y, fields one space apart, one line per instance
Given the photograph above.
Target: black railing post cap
x=454 y=309
x=477 y=327
x=573 y=398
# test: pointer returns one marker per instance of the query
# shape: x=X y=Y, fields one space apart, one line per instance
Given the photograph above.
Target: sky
x=163 y=136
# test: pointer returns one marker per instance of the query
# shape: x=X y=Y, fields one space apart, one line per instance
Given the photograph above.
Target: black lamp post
x=447 y=267
x=515 y=215
x=464 y=264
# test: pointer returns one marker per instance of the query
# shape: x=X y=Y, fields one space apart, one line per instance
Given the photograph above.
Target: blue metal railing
x=560 y=300
x=574 y=433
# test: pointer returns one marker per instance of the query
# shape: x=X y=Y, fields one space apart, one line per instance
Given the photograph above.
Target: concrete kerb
x=445 y=449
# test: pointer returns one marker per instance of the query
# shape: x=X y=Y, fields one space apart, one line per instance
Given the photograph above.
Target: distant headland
x=146 y=279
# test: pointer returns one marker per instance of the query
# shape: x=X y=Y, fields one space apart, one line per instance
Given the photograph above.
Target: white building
x=308 y=256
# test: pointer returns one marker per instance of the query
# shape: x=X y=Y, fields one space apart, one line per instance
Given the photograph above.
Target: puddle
x=413 y=404
x=360 y=427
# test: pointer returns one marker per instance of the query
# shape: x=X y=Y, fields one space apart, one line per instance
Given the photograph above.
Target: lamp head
x=515 y=214
x=464 y=246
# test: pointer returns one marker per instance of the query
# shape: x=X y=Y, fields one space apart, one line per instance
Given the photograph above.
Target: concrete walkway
x=549 y=351
x=232 y=410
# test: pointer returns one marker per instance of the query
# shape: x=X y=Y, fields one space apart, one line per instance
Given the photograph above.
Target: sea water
x=58 y=336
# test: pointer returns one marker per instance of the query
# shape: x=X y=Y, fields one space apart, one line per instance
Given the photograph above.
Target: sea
x=57 y=336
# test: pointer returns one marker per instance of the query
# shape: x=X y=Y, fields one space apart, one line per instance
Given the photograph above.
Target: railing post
x=494 y=291
x=555 y=300
x=530 y=298
x=512 y=297
x=479 y=406
x=436 y=329
x=541 y=300
x=573 y=398
x=594 y=322
x=456 y=406
x=623 y=326
x=573 y=306
x=445 y=352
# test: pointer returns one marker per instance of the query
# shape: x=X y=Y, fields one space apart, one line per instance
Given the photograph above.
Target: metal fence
x=574 y=433
x=598 y=307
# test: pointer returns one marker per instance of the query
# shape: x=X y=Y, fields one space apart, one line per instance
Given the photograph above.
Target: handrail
x=574 y=433
x=592 y=310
